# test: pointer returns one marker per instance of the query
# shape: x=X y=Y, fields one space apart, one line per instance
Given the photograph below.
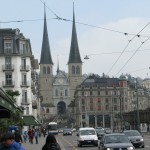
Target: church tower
x=74 y=63
x=46 y=69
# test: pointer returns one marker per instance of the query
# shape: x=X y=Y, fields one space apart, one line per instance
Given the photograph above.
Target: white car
x=87 y=136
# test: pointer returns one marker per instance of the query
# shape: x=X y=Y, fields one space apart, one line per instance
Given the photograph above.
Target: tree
x=12 y=94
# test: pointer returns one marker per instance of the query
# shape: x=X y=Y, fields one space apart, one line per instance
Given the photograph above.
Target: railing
x=25 y=101
x=24 y=68
x=8 y=67
x=25 y=84
x=8 y=83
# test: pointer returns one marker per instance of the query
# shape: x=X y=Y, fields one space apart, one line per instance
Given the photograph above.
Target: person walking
x=36 y=135
x=25 y=136
x=51 y=143
x=9 y=142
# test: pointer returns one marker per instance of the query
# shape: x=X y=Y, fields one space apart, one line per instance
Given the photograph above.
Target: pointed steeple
x=57 y=65
x=74 y=56
x=45 y=52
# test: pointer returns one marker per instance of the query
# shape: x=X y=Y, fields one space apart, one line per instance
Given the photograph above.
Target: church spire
x=45 y=52
x=74 y=56
x=57 y=65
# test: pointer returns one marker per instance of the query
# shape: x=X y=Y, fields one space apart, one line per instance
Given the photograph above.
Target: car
x=115 y=141
x=108 y=130
x=87 y=136
x=67 y=131
x=135 y=137
x=100 y=132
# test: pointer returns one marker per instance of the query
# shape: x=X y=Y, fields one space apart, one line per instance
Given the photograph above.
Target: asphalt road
x=70 y=143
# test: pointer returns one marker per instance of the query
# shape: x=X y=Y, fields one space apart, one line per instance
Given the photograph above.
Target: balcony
x=8 y=83
x=24 y=68
x=25 y=101
x=8 y=67
x=25 y=84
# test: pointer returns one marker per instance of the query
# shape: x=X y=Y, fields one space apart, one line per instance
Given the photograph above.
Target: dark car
x=135 y=137
x=100 y=132
x=67 y=132
x=115 y=141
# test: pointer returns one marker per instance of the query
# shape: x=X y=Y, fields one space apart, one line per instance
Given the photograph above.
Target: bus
x=52 y=128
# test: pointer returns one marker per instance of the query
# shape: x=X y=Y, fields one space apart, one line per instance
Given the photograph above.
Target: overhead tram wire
x=138 y=70
x=133 y=55
x=137 y=35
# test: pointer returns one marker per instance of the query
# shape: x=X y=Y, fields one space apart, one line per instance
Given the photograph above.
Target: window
x=73 y=69
x=22 y=48
x=106 y=92
x=91 y=93
x=107 y=107
x=47 y=110
x=8 y=47
x=115 y=107
x=106 y=100
x=66 y=92
x=115 y=101
x=27 y=110
x=44 y=70
x=48 y=70
x=8 y=79
x=24 y=96
x=77 y=70
x=91 y=107
x=91 y=100
x=23 y=62
x=99 y=107
x=83 y=101
x=24 y=79
x=83 y=108
x=98 y=93
x=98 y=100
x=7 y=62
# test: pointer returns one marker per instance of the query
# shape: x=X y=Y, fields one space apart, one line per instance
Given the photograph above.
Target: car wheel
x=143 y=146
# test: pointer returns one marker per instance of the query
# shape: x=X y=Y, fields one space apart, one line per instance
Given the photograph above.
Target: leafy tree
x=12 y=94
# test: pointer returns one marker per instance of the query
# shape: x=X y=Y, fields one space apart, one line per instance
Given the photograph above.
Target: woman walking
x=51 y=143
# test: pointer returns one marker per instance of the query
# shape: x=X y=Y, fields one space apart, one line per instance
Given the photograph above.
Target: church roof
x=74 y=56
x=45 y=52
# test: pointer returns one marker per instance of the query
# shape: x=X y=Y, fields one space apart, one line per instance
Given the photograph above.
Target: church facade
x=57 y=91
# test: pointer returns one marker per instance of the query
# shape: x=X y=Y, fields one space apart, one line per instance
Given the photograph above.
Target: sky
x=114 y=34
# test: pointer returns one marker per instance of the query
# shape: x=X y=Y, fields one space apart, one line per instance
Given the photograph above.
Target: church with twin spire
x=57 y=91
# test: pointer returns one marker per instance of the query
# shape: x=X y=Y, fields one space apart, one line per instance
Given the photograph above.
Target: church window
x=77 y=70
x=48 y=70
x=73 y=69
x=66 y=92
x=44 y=70
x=47 y=110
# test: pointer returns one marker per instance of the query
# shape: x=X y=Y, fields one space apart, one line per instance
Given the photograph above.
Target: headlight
x=141 y=140
x=81 y=139
x=109 y=148
x=130 y=148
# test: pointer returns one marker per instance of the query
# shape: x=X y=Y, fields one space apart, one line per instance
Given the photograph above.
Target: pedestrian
x=25 y=136
x=9 y=142
x=31 y=135
x=36 y=135
x=51 y=143
x=18 y=137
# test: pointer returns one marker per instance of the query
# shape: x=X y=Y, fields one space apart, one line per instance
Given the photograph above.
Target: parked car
x=100 y=132
x=87 y=136
x=115 y=141
x=108 y=130
x=67 y=131
x=135 y=137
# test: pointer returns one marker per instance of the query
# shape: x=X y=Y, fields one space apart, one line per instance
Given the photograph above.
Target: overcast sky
x=106 y=31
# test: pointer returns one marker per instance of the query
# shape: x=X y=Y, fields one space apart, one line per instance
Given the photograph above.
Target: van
x=87 y=136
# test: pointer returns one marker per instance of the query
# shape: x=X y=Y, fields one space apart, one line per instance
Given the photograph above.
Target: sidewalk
x=29 y=146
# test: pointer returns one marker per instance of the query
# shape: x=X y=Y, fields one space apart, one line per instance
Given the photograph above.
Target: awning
x=30 y=120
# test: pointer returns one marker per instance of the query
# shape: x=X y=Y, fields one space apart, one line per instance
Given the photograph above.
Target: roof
x=86 y=128
x=74 y=56
x=45 y=52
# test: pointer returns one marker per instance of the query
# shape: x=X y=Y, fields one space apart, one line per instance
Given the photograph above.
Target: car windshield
x=100 y=130
x=67 y=129
x=87 y=132
x=132 y=133
x=116 y=139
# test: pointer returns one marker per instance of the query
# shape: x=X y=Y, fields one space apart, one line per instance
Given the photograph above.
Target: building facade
x=17 y=68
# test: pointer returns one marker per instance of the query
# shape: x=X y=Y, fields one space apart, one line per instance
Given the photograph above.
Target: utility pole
x=120 y=111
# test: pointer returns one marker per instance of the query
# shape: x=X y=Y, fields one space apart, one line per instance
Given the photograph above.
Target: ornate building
x=57 y=91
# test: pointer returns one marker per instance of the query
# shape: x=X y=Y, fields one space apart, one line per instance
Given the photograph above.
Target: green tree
x=12 y=94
